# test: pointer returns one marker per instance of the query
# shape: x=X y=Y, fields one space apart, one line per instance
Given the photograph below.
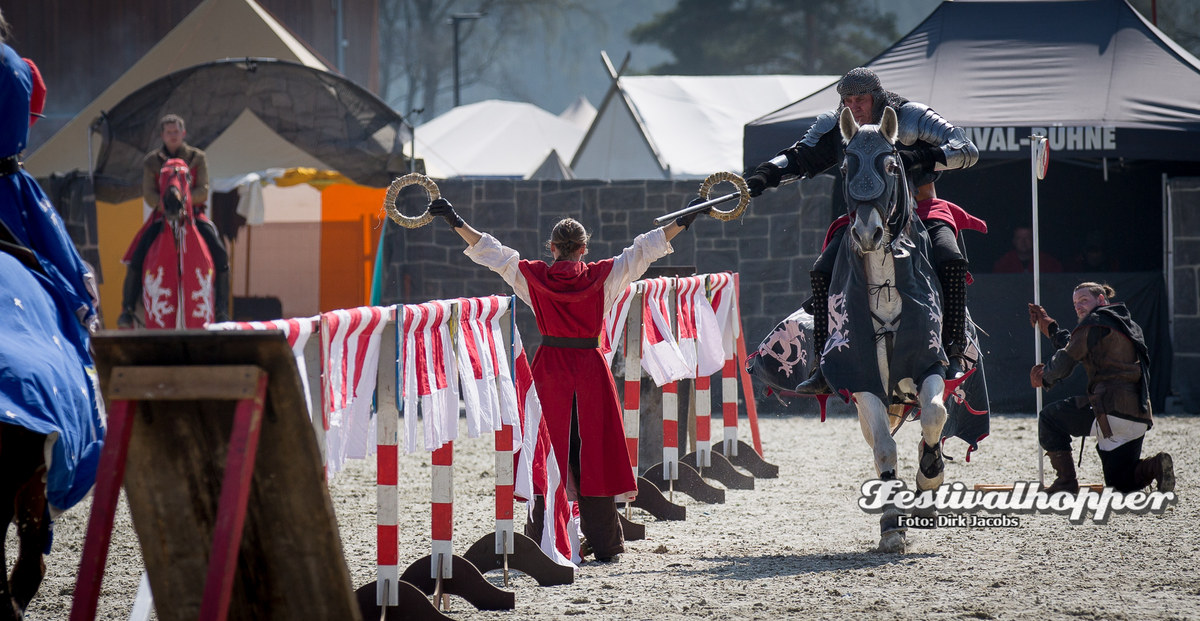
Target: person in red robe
x=579 y=400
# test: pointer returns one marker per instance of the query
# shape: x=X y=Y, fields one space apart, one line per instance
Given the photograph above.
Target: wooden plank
x=184 y=382
x=290 y=560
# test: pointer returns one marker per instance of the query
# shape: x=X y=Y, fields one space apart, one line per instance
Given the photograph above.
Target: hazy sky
x=553 y=75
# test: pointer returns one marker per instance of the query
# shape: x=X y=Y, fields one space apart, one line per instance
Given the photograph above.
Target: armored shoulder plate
x=918 y=122
x=825 y=123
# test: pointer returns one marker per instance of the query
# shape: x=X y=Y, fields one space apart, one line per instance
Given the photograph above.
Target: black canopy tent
x=1120 y=104
x=1092 y=75
x=322 y=113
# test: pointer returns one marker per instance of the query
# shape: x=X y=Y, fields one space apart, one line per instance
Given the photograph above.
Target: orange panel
x=351 y=223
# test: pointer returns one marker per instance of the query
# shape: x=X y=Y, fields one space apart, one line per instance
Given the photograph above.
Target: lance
x=743 y=194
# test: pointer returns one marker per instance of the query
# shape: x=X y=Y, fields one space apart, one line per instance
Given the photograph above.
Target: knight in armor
x=173 y=132
x=1116 y=409
x=927 y=144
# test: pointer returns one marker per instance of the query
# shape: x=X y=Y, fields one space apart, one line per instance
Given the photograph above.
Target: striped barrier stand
x=649 y=496
x=671 y=474
x=506 y=548
x=738 y=452
x=697 y=322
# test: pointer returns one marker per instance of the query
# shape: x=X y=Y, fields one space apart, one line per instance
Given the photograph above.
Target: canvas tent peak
x=493 y=139
x=680 y=127
x=214 y=30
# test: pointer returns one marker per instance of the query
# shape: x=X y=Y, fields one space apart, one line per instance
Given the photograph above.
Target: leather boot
x=816 y=384
x=131 y=295
x=953 y=276
x=1159 y=468
x=221 y=296
x=1063 y=463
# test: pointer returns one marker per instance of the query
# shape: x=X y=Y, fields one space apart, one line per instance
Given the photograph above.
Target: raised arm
x=485 y=249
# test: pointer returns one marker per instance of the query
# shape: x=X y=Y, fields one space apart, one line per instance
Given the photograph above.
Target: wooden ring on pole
x=743 y=191
x=393 y=191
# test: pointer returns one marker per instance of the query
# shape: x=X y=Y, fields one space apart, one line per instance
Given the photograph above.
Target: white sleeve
x=490 y=253
x=633 y=261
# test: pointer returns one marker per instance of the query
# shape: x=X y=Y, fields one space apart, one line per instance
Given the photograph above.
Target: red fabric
x=928 y=209
x=568 y=301
x=37 y=98
x=177 y=276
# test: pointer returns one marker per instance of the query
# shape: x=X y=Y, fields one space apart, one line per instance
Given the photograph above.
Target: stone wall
x=772 y=246
x=1185 y=218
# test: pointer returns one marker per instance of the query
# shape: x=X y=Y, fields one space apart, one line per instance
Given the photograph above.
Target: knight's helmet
x=174 y=189
x=863 y=81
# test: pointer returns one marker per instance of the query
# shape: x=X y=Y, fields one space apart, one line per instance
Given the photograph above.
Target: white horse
x=878 y=197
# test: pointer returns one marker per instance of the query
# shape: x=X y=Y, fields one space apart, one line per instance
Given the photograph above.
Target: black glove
x=686 y=220
x=765 y=175
x=442 y=207
x=919 y=159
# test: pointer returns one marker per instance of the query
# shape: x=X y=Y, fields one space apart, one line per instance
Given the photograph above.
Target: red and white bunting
x=614 y=322
x=633 y=382
x=487 y=387
x=349 y=363
x=724 y=302
x=699 y=330
x=297 y=333
x=537 y=470
x=430 y=375
x=661 y=357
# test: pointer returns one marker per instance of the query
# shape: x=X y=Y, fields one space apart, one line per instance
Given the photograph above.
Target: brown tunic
x=1116 y=366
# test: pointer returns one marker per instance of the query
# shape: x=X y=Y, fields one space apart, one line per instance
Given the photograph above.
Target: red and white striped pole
x=729 y=373
x=442 y=511
x=688 y=288
x=661 y=290
x=387 y=459
x=505 y=479
x=633 y=380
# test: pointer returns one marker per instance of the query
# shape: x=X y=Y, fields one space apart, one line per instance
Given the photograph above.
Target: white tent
x=493 y=138
x=681 y=127
x=581 y=112
x=215 y=30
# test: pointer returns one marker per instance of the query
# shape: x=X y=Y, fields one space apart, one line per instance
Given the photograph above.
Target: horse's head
x=874 y=177
x=174 y=189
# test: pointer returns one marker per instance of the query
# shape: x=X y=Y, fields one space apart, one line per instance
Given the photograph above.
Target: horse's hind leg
x=33 y=530
x=873 y=419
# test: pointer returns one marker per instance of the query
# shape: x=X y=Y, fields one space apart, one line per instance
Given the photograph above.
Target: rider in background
x=927 y=144
x=173 y=146
x=1116 y=409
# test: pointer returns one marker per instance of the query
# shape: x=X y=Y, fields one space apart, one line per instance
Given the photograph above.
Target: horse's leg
x=930 y=466
x=873 y=420
x=33 y=530
x=8 y=484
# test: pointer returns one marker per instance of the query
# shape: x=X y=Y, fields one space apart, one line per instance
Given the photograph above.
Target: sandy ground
x=795 y=547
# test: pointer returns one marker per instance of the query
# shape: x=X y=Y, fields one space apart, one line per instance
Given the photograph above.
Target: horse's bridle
x=870 y=185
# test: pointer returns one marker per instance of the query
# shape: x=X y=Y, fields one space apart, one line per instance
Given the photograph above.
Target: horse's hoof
x=893 y=543
x=932 y=468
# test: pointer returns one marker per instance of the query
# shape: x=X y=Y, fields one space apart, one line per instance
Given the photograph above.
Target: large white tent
x=494 y=138
x=681 y=127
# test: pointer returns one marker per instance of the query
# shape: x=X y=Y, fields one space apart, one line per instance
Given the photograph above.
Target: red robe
x=568 y=301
